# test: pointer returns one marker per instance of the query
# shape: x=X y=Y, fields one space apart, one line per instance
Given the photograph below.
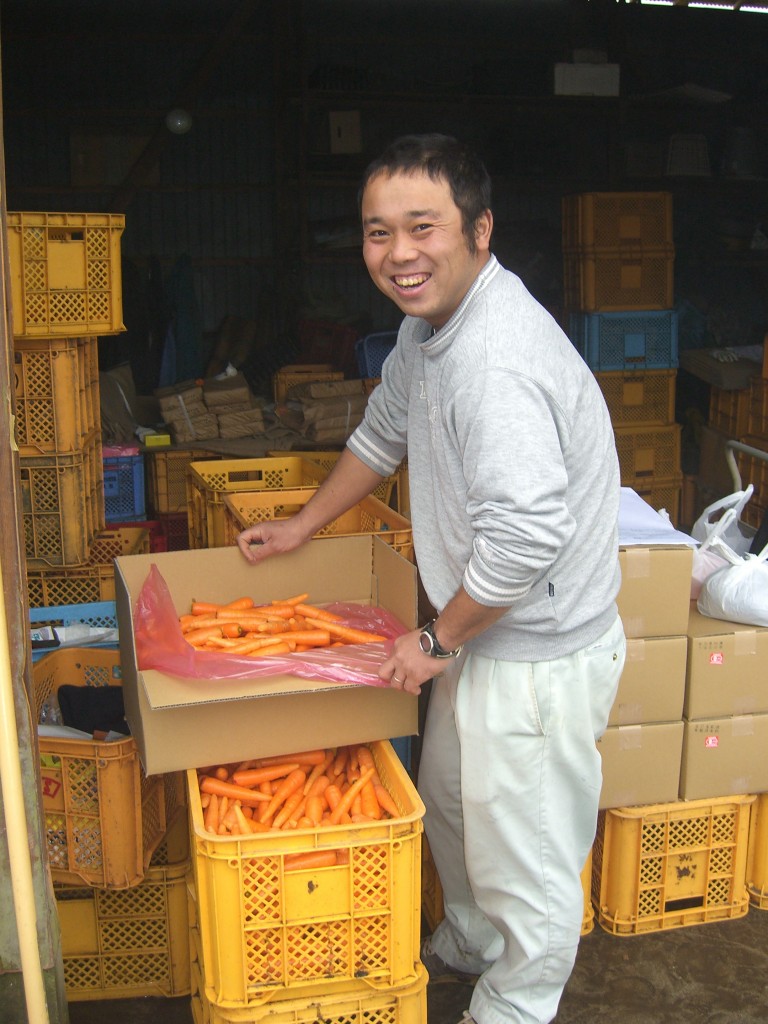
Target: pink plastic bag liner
x=160 y=645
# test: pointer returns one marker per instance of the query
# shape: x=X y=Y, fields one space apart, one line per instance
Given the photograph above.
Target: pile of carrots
x=312 y=789
x=278 y=627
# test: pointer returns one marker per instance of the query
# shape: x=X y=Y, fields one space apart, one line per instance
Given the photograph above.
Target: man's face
x=414 y=246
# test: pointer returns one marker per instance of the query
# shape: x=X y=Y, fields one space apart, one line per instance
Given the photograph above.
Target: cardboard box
x=727 y=671
x=652 y=685
x=187 y=723
x=723 y=756
x=655 y=593
x=641 y=764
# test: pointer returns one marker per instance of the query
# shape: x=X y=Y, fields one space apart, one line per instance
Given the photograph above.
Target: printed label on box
x=716 y=658
x=711 y=742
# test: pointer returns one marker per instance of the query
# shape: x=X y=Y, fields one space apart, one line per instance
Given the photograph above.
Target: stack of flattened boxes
x=65 y=292
x=618 y=281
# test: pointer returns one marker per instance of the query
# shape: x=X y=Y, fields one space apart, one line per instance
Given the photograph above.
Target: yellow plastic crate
x=757 y=855
x=123 y=944
x=269 y=934
x=757 y=424
x=432 y=892
x=648 y=452
x=54 y=384
x=370 y=515
x=209 y=482
x=754 y=470
x=663 y=866
x=604 y=281
x=301 y=373
x=328 y=459
x=617 y=220
x=60 y=505
x=103 y=816
x=356 y=1005
x=166 y=477
x=729 y=411
x=660 y=494
x=636 y=399
x=92 y=582
x=66 y=276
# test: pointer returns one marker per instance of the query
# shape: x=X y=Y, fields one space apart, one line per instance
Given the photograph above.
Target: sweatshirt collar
x=435 y=342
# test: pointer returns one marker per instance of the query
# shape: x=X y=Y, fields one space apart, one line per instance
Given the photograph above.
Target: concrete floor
x=715 y=973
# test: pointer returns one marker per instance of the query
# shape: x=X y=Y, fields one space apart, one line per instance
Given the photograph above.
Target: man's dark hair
x=439 y=156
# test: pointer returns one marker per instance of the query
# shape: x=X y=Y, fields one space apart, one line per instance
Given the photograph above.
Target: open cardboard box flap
x=183 y=723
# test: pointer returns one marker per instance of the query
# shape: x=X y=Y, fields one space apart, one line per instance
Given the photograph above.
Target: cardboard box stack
x=314 y=919
x=641 y=749
x=676 y=821
x=618 y=274
x=66 y=292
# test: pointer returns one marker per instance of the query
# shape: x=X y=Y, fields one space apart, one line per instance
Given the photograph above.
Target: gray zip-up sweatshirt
x=514 y=477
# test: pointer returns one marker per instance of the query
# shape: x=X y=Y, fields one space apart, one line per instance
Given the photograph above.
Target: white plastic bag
x=736 y=535
x=739 y=591
x=708 y=556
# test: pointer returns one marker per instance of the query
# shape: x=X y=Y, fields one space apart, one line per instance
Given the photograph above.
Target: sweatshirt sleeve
x=512 y=437
x=380 y=440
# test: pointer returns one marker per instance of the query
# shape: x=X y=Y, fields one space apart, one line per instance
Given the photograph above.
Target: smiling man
x=514 y=501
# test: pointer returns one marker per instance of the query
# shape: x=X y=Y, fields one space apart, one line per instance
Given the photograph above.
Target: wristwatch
x=431 y=645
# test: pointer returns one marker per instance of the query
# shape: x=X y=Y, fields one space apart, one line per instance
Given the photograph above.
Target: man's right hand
x=275 y=537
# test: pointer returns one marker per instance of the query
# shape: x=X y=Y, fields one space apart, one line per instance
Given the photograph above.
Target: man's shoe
x=439 y=971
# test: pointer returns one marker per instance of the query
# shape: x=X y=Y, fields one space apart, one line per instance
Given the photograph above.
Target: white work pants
x=510 y=776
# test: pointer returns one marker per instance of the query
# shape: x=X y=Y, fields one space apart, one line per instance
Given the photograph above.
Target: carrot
x=311 y=611
x=333 y=797
x=305 y=822
x=281 y=648
x=312 y=859
x=289 y=785
x=346 y=633
x=230 y=819
x=314 y=757
x=239 y=604
x=299 y=599
x=253 y=776
x=340 y=761
x=223 y=808
x=211 y=819
x=348 y=798
x=199 y=636
x=232 y=791
x=290 y=805
x=310 y=637
x=365 y=760
x=386 y=802
x=231 y=629
x=314 y=809
x=204 y=608
x=369 y=802
x=318 y=770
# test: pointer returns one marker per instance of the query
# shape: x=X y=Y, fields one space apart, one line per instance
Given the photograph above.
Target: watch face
x=425 y=642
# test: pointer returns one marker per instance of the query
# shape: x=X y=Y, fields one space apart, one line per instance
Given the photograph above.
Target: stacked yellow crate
x=119 y=871
x=65 y=293
x=618 y=281
x=280 y=930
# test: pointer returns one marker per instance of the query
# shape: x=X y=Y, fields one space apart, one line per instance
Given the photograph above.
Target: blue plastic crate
x=372 y=350
x=100 y=615
x=124 y=494
x=402 y=747
x=637 y=340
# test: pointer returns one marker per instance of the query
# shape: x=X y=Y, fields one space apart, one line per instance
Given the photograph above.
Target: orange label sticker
x=716 y=658
x=711 y=742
